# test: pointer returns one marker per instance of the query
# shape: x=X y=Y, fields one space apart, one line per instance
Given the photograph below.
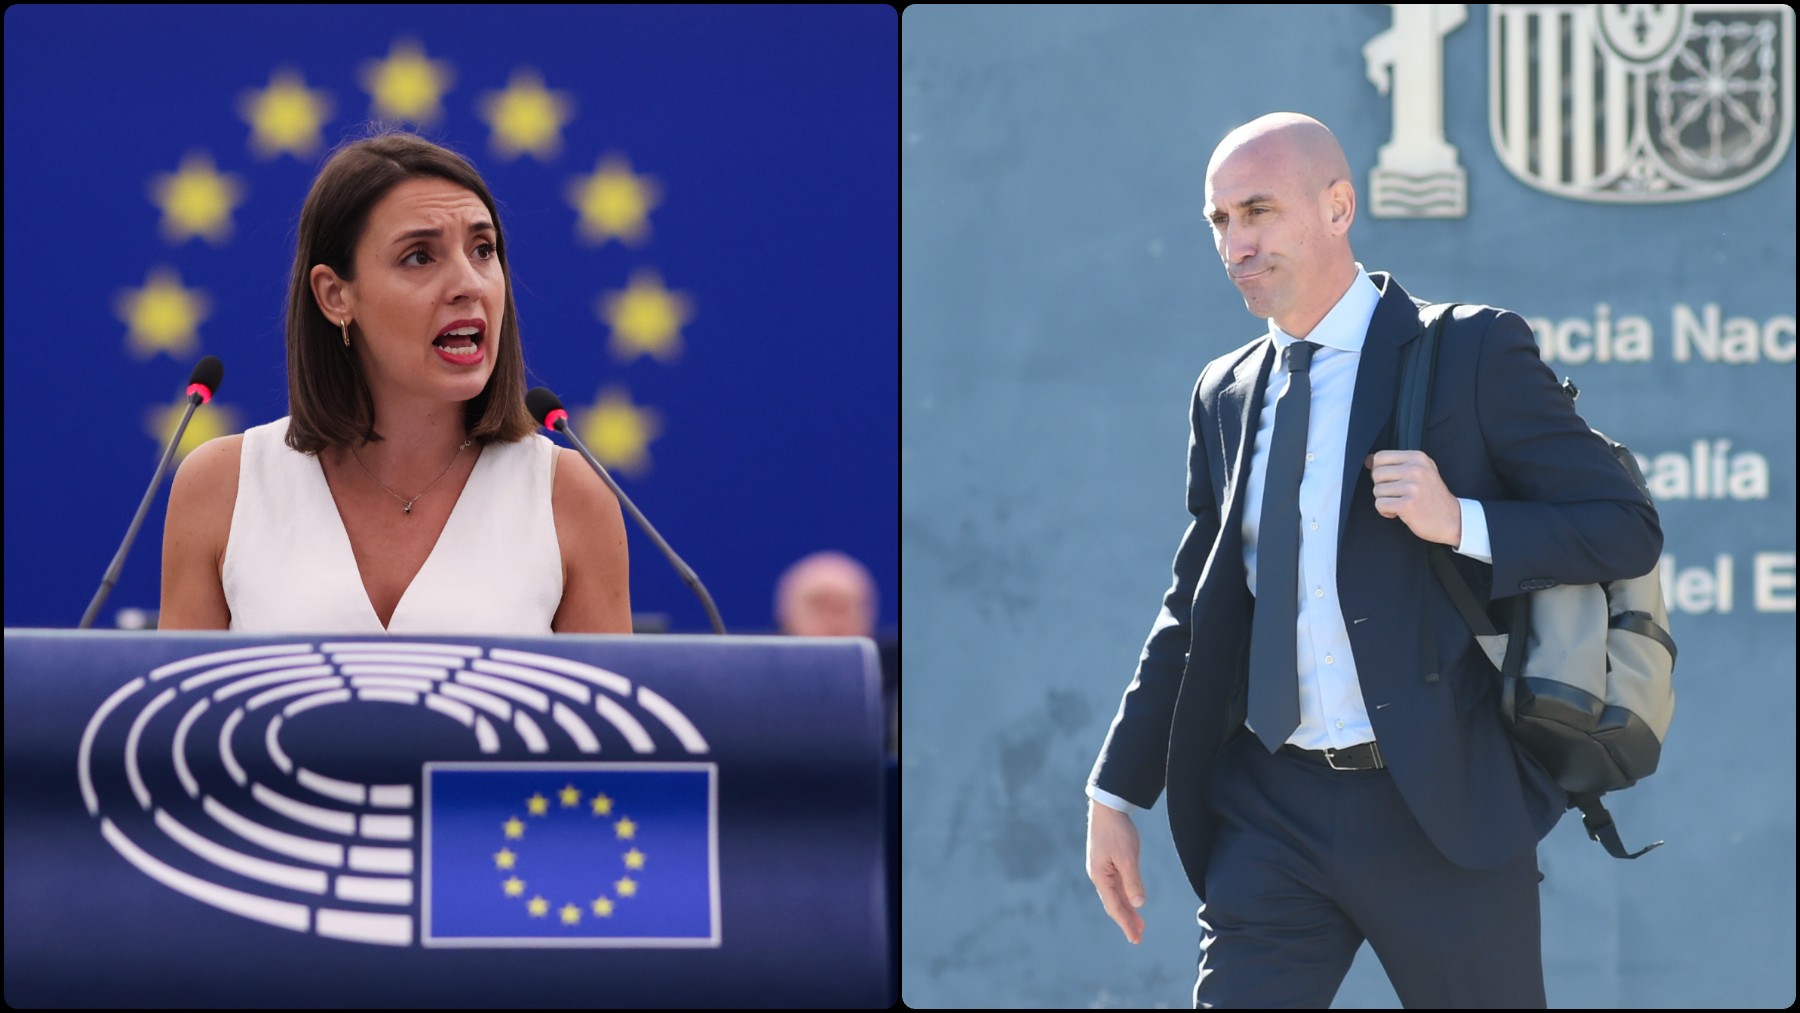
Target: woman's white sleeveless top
x=496 y=569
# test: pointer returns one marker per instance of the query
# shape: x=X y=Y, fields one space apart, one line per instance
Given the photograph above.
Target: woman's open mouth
x=460 y=343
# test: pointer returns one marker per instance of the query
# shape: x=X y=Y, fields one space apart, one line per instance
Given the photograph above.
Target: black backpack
x=1585 y=669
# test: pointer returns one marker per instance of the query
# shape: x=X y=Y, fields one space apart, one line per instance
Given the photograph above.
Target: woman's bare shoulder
x=195 y=532
x=584 y=509
x=215 y=461
x=576 y=485
x=205 y=489
x=590 y=533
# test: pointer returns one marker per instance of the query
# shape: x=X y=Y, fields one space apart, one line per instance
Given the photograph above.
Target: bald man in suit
x=1327 y=782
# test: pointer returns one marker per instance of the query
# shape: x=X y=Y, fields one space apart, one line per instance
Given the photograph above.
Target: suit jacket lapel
x=1240 y=410
x=1395 y=323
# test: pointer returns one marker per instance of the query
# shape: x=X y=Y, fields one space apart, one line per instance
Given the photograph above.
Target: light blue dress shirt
x=1332 y=711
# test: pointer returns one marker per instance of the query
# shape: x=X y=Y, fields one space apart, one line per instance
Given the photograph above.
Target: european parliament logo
x=401 y=793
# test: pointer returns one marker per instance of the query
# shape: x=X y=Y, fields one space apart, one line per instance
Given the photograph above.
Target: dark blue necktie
x=1274 y=709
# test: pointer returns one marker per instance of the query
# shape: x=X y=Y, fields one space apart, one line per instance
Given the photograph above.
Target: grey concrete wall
x=1060 y=294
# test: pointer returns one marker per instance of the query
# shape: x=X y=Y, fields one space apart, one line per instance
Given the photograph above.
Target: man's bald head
x=1294 y=140
x=827 y=594
x=1280 y=200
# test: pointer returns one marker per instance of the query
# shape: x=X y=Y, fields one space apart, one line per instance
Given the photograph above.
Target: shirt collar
x=1345 y=327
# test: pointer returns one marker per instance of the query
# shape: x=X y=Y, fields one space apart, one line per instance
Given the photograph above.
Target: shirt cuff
x=1109 y=800
x=1475 y=532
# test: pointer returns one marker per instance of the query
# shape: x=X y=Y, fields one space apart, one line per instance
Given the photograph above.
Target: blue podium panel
x=222 y=820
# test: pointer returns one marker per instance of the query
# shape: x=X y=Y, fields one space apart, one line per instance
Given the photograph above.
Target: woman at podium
x=406 y=491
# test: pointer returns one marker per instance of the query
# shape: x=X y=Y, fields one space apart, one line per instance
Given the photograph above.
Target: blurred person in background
x=829 y=594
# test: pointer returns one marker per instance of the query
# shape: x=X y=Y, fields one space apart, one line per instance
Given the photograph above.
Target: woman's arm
x=194 y=536
x=590 y=531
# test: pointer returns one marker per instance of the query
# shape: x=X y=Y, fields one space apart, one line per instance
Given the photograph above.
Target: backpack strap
x=1418 y=366
x=1599 y=824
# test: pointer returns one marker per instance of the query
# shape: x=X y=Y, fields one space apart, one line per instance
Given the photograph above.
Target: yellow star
x=619 y=432
x=196 y=200
x=571 y=914
x=613 y=202
x=525 y=117
x=538 y=805
x=286 y=116
x=406 y=85
x=627 y=887
x=603 y=907
x=646 y=318
x=538 y=907
x=515 y=828
x=602 y=805
x=570 y=797
x=634 y=859
x=625 y=829
x=162 y=315
x=505 y=859
x=209 y=421
x=514 y=887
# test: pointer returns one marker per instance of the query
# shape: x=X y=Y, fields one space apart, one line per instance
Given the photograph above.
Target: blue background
x=770 y=131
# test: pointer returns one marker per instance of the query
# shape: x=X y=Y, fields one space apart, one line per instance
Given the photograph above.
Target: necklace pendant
x=409 y=508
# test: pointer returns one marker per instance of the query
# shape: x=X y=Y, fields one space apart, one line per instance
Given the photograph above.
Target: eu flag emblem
x=577 y=854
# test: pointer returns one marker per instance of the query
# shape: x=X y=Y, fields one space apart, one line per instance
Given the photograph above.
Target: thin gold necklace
x=407 y=503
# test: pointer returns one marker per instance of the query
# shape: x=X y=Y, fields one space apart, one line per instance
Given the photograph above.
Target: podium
x=203 y=820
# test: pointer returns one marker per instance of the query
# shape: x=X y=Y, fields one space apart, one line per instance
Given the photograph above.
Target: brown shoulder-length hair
x=328 y=398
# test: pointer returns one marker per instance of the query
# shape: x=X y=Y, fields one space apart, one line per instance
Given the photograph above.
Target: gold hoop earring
x=345 y=324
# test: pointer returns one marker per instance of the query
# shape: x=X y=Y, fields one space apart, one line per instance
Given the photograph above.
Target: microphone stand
x=687 y=574
x=118 y=563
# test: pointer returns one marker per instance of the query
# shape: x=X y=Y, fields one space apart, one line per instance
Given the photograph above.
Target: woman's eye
x=492 y=252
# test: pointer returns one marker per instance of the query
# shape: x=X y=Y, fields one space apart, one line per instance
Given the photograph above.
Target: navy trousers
x=1310 y=861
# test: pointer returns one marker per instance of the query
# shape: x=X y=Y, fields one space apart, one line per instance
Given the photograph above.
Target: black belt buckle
x=1363 y=756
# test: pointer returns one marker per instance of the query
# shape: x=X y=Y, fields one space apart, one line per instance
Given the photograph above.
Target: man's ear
x=1340 y=207
x=331 y=293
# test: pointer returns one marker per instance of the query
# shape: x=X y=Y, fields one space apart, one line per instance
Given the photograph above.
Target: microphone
x=547 y=409
x=203 y=383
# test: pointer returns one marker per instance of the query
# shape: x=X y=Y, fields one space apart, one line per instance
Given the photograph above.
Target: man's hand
x=1408 y=486
x=1112 y=863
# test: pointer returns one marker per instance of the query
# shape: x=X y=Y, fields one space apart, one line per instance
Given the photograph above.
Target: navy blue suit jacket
x=1560 y=509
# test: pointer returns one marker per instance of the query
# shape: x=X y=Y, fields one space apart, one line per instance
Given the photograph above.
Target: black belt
x=1363 y=756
